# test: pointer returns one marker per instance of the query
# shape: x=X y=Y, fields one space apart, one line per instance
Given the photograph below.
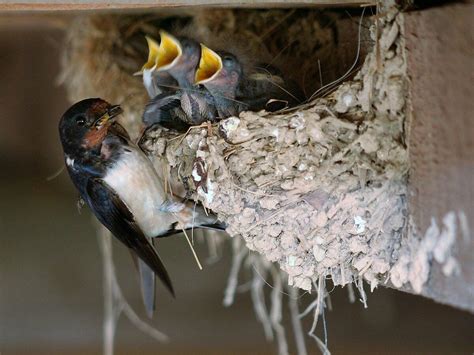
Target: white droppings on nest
x=436 y=244
x=347 y=98
x=230 y=125
x=196 y=176
x=207 y=194
x=359 y=224
x=446 y=238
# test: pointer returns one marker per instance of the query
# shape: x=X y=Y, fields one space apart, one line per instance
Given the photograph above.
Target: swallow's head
x=179 y=57
x=218 y=72
x=164 y=55
x=84 y=125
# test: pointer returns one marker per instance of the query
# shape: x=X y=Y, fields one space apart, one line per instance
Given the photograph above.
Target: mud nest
x=319 y=189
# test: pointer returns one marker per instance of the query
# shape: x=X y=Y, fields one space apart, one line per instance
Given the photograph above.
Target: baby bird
x=221 y=73
x=171 y=64
x=154 y=81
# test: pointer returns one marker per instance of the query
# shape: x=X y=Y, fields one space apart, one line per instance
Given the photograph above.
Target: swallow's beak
x=210 y=65
x=114 y=111
x=111 y=113
x=153 y=49
x=168 y=52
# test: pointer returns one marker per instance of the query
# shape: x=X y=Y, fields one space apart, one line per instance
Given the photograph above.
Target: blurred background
x=50 y=267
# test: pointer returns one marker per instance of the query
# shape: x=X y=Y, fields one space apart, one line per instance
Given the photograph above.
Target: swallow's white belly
x=134 y=179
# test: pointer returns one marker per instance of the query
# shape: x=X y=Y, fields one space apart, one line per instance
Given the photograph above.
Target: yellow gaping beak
x=210 y=65
x=153 y=48
x=168 y=52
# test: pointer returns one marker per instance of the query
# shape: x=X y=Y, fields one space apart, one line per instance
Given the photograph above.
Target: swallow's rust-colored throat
x=99 y=130
x=94 y=137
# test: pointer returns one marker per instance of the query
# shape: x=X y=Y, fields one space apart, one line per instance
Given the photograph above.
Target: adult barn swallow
x=119 y=184
x=175 y=58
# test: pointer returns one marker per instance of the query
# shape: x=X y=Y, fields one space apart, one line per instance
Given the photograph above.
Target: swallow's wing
x=198 y=107
x=115 y=215
x=165 y=110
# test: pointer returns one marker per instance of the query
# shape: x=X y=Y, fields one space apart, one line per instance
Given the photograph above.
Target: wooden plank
x=78 y=5
x=441 y=136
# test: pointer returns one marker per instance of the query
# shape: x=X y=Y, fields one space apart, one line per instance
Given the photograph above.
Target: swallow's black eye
x=81 y=121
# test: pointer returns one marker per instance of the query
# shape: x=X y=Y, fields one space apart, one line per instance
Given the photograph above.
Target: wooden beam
x=87 y=5
x=441 y=136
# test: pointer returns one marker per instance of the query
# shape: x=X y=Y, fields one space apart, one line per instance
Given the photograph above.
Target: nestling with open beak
x=211 y=85
x=213 y=97
x=235 y=90
x=220 y=73
x=155 y=81
x=174 y=58
x=119 y=184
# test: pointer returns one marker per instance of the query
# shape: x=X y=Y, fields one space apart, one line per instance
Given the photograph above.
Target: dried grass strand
x=276 y=312
x=345 y=75
x=114 y=301
x=259 y=306
x=296 y=322
x=238 y=254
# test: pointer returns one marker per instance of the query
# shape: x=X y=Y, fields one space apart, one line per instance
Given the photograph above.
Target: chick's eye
x=228 y=61
x=80 y=121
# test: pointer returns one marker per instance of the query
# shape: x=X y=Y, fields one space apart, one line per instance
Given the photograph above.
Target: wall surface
x=440 y=49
